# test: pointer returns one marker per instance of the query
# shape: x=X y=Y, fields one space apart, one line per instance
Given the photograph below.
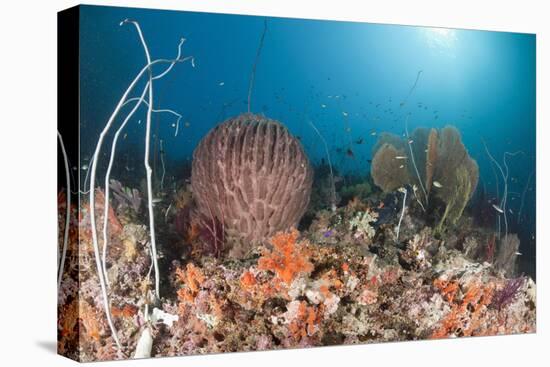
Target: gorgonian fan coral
x=388 y=170
x=456 y=172
x=433 y=158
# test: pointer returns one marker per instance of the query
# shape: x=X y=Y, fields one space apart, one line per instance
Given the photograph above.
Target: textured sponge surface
x=252 y=175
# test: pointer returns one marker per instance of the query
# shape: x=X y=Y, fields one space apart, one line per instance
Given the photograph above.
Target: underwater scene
x=249 y=183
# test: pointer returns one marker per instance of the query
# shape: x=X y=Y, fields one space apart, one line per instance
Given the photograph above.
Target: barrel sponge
x=253 y=176
x=388 y=170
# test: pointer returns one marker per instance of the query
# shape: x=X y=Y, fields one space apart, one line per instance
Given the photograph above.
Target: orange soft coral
x=193 y=232
x=288 y=258
x=467 y=314
x=306 y=321
x=192 y=277
x=116 y=226
x=448 y=288
x=68 y=319
x=248 y=280
x=89 y=319
x=127 y=311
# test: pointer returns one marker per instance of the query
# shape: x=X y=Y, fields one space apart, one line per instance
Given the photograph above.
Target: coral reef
x=374 y=269
x=251 y=175
x=343 y=280
x=82 y=328
x=246 y=246
x=300 y=294
x=354 y=223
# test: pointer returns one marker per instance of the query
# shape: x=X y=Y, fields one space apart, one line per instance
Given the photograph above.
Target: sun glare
x=441 y=39
x=442 y=32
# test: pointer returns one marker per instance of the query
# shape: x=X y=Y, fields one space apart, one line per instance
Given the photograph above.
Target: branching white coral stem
x=108 y=176
x=93 y=168
x=163 y=165
x=61 y=261
x=412 y=158
x=404 y=191
x=332 y=187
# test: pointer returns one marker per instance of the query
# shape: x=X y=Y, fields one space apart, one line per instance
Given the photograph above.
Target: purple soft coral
x=508 y=293
x=328 y=233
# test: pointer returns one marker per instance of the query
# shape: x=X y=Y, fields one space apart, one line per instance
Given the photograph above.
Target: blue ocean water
x=352 y=80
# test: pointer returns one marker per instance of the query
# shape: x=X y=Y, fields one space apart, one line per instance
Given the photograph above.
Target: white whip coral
x=404 y=191
x=62 y=256
x=97 y=153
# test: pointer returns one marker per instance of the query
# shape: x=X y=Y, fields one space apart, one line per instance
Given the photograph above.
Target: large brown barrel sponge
x=253 y=176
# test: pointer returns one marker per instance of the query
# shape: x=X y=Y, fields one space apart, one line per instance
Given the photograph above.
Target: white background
x=28 y=181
